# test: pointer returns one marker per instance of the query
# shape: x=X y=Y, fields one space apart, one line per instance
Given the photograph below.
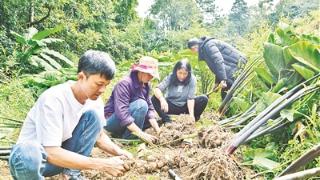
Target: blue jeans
x=28 y=160
x=138 y=109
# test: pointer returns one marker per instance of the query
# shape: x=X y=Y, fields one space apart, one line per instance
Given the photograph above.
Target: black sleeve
x=215 y=62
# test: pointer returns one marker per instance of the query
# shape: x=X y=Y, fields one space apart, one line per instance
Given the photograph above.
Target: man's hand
x=164 y=105
x=125 y=153
x=223 y=84
x=114 y=166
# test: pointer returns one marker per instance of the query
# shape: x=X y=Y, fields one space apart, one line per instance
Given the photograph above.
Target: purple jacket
x=126 y=91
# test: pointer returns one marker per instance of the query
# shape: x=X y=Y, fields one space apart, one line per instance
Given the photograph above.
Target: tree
x=239 y=17
x=293 y=9
x=175 y=14
x=209 y=10
x=125 y=11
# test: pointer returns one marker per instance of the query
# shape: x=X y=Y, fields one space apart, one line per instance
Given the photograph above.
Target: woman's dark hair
x=179 y=65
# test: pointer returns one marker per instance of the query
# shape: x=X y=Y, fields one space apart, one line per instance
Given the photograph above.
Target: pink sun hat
x=147 y=65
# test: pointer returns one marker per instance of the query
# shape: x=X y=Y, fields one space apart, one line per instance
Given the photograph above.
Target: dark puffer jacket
x=222 y=59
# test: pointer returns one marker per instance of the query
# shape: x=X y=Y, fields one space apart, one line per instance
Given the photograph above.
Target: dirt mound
x=172 y=134
x=202 y=157
x=214 y=137
x=4 y=170
x=190 y=163
x=209 y=164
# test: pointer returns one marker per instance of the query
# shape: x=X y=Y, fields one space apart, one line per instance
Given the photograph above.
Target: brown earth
x=192 y=153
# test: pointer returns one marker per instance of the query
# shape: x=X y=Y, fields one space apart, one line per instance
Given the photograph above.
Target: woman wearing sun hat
x=129 y=109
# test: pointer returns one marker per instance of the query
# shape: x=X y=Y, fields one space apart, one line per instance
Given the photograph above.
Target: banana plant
x=290 y=58
x=35 y=55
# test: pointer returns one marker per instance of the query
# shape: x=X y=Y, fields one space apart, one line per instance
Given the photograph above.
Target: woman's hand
x=147 y=138
x=164 y=105
x=192 y=118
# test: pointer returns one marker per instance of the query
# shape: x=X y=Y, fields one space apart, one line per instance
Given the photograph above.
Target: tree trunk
x=31 y=13
x=1 y=13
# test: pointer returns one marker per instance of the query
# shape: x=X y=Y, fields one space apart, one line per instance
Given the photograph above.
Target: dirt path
x=200 y=156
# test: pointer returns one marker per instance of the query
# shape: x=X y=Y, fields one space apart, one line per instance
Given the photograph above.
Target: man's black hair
x=97 y=62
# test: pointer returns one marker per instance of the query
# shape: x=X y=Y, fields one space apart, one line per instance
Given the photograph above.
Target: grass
x=15 y=102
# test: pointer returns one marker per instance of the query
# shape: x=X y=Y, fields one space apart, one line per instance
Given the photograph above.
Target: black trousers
x=199 y=106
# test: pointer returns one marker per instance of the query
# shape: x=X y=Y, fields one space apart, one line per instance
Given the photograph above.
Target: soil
x=190 y=152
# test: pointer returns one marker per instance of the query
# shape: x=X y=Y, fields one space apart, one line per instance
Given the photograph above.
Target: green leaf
x=306 y=53
x=280 y=85
x=50 y=40
x=264 y=75
x=286 y=35
x=288 y=114
x=265 y=163
x=41 y=62
x=59 y=56
x=32 y=42
x=30 y=32
x=305 y=72
x=311 y=38
x=51 y=61
x=271 y=38
x=47 y=32
x=265 y=100
x=19 y=38
x=273 y=55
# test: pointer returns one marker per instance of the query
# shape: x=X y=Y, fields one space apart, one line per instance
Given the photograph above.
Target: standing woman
x=176 y=94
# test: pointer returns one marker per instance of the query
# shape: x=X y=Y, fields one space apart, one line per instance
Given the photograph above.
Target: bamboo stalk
x=241 y=137
x=245 y=73
x=302 y=160
x=275 y=104
x=243 y=119
x=238 y=116
x=267 y=130
x=301 y=175
x=235 y=93
x=228 y=120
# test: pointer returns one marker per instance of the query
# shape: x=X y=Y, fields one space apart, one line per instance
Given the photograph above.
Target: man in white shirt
x=65 y=123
